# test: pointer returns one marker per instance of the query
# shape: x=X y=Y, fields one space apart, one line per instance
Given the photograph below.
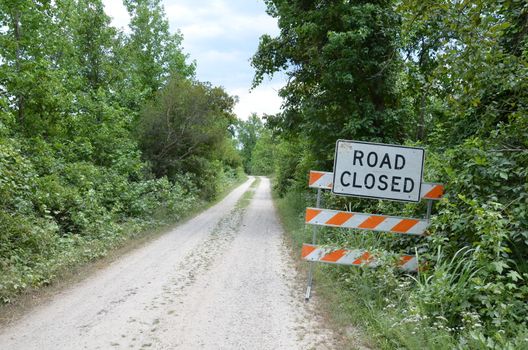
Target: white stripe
x=322 y=217
x=315 y=255
x=324 y=181
x=411 y=265
x=355 y=221
x=420 y=228
x=350 y=256
x=388 y=224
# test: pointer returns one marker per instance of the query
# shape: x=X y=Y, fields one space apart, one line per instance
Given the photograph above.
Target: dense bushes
x=69 y=213
x=74 y=181
x=474 y=292
x=460 y=84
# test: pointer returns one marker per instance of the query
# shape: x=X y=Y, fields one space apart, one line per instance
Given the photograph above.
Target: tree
x=94 y=44
x=30 y=70
x=186 y=122
x=73 y=180
x=341 y=58
x=452 y=76
x=478 y=70
x=263 y=155
x=156 y=54
x=248 y=133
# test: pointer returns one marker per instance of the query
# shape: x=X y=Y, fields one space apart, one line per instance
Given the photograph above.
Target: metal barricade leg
x=314 y=241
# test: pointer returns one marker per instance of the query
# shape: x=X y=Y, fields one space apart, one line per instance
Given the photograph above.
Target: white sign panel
x=374 y=170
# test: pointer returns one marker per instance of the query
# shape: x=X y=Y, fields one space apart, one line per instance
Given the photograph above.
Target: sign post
x=314 y=242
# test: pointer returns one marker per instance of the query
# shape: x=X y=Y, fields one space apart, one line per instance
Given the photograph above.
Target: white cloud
x=215 y=56
x=221 y=35
x=216 y=19
x=200 y=31
x=229 y=26
x=118 y=12
x=262 y=100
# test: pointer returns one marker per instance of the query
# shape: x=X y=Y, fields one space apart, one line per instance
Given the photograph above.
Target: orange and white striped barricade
x=362 y=221
x=324 y=180
x=354 y=257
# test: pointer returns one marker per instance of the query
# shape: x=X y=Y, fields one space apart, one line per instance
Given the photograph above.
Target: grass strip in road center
x=244 y=201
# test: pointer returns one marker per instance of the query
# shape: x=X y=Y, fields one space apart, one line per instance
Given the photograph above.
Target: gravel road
x=222 y=280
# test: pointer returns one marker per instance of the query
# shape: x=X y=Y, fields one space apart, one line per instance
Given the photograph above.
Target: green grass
x=244 y=201
x=385 y=308
x=353 y=299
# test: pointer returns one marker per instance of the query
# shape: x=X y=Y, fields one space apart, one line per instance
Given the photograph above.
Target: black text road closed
x=376 y=170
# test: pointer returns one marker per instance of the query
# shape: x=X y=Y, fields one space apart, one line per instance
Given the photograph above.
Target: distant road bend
x=222 y=280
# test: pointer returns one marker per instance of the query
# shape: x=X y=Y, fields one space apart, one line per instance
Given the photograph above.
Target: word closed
x=373 y=170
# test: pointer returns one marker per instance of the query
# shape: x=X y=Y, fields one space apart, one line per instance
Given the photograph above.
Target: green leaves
x=452 y=76
x=155 y=54
x=74 y=182
x=181 y=130
x=341 y=61
x=248 y=133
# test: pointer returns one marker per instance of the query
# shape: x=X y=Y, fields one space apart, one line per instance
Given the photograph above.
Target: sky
x=221 y=36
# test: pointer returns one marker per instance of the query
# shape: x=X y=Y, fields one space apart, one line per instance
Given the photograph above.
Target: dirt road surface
x=223 y=280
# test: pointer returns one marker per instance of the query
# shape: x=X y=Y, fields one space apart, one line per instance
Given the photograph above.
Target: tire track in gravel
x=194 y=265
x=223 y=280
x=116 y=306
x=250 y=298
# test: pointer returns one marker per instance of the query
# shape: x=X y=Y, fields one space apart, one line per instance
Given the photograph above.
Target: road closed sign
x=374 y=170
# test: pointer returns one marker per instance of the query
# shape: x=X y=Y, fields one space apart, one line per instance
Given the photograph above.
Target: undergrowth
x=396 y=310
x=56 y=223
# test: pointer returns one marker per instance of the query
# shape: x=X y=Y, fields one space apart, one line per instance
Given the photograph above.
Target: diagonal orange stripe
x=339 y=218
x=372 y=222
x=334 y=256
x=404 y=225
x=365 y=257
x=436 y=192
x=314 y=176
x=311 y=213
x=404 y=259
x=307 y=249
